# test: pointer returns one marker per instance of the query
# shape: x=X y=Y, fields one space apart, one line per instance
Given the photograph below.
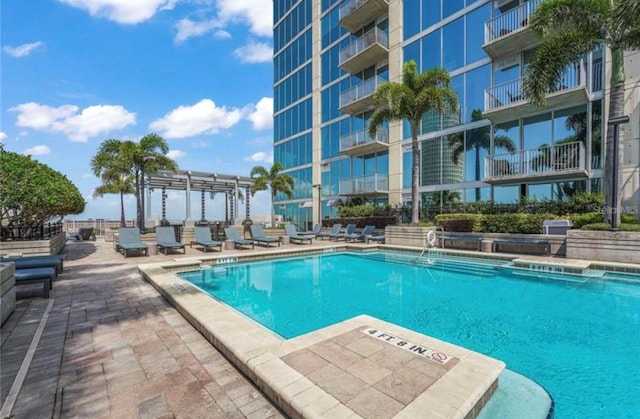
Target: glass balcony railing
x=361 y=138
x=360 y=91
x=510 y=21
x=549 y=160
x=350 y=6
x=374 y=36
x=365 y=185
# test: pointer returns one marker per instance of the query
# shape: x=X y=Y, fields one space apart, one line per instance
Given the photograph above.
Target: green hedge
x=605 y=227
x=493 y=223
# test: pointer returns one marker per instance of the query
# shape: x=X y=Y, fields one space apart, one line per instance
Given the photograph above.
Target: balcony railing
x=549 y=161
x=371 y=37
x=351 y=6
x=360 y=91
x=360 y=138
x=512 y=92
x=365 y=185
x=510 y=21
x=596 y=76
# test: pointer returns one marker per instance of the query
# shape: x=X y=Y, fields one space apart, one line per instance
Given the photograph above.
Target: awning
x=334 y=202
x=306 y=204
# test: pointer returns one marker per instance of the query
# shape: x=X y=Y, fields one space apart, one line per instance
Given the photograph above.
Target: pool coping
x=258 y=353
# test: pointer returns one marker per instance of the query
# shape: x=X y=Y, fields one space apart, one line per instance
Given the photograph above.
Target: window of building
x=475 y=26
x=410 y=17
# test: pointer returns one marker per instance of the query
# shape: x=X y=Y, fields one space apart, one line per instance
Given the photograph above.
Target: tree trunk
x=616 y=109
x=123 y=220
x=477 y=147
x=415 y=165
x=273 y=209
x=138 y=203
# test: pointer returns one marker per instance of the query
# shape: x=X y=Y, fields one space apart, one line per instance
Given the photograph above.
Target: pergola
x=188 y=181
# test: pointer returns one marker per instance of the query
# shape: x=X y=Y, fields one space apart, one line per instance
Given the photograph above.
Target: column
x=164 y=221
x=188 y=221
x=202 y=219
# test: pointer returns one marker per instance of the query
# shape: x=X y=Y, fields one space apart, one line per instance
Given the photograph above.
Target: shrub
x=605 y=227
x=514 y=223
x=366 y=210
x=462 y=223
x=580 y=220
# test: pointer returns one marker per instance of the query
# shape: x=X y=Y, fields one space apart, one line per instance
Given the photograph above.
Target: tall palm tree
x=112 y=163
x=569 y=29
x=116 y=185
x=478 y=139
x=274 y=180
x=410 y=100
x=149 y=153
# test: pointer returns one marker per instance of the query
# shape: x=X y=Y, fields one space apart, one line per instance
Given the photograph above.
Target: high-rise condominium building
x=331 y=55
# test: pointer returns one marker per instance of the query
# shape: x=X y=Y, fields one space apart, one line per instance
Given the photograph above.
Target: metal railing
x=512 y=20
x=596 y=76
x=28 y=232
x=349 y=6
x=361 y=137
x=512 y=92
x=373 y=36
x=364 y=184
x=542 y=160
x=361 y=90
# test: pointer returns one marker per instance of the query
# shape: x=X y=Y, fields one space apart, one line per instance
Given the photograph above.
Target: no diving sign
x=420 y=350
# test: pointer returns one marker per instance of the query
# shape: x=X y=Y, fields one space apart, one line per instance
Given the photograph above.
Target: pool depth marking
x=414 y=348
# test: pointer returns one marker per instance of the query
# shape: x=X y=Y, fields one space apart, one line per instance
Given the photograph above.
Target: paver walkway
x=112 y=347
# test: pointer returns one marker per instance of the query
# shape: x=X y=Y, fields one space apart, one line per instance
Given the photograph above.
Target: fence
x=28 y=232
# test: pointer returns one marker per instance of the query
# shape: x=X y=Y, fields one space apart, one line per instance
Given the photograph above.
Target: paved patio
x=112 y=347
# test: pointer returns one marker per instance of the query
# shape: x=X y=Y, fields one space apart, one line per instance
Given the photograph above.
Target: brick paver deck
x=112 y=347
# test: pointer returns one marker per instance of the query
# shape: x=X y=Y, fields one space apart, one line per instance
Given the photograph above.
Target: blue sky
x=197 y=72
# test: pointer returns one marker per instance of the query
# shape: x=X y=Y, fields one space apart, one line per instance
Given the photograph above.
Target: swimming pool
x=579 y=337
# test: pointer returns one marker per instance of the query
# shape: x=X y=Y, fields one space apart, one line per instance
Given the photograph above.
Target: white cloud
x=2 y=136
x=262 y=115
x=222 y=34
x=38 y=150
x=122 y=11
x=258 y=14
x=188 y=28
x=65 y=119
x=202 y=118
x=22 y=50
x=260 y=156
x=200 y=144
x=254 y=52
x=176 y=154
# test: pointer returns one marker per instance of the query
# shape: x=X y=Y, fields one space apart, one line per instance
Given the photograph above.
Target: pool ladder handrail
x=426 y=241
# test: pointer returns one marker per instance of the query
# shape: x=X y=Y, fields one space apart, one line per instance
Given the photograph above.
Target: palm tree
x=478 y=139
x=150 y=155
x=410 y=100
x=112 y=164
x=569 y=29
x=116 y=185
x=272 y=179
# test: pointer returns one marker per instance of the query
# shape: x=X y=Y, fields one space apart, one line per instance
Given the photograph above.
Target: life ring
x=431 y=238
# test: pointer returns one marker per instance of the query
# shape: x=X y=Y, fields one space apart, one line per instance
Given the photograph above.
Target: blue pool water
x=578 y=338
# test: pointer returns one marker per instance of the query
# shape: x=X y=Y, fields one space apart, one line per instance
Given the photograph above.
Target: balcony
x=354 y=14
x=367 y=50
x=359 y=98
x=550 y=164
x=359 y=143
x=506 y=101
x=366 y=185
x=510 y=32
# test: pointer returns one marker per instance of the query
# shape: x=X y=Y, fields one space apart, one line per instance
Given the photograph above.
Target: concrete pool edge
x=257 y=353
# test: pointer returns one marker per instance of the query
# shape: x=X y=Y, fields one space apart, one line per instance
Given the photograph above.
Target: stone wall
x=52 y=246
x=604 y=246
x=7 y=291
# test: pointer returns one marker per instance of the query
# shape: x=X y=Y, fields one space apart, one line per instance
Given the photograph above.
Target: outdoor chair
x=85 y=233
x=129 y=239
x=233 y=235
x=166 y=238
x=259 y=236
x=36 y=276
x=294 y=236
x=203 y=238
x=360 y=237
x=44 y=261
x=334 y=230
x=349 y=229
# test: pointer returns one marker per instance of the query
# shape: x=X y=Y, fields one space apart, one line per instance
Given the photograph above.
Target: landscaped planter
x=406 y=235
x=53 y=246
x=7 y=291
x=605 y=246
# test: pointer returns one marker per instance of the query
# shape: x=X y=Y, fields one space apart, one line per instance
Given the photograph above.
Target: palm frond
x=625 y=24
x=559 y=16
x=550 y=61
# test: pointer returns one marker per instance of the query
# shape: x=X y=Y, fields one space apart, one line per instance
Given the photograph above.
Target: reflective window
x=406 y=169
x=506 y=135
x=537 y=131
x=477 y=147
x=449 y=7
x=430 y=12
x=475 y=22
x=596 y=135
x=411 y=19
x=506 y=194
x=431 y=50
x=412 y=52
x=453 y=45
x=477 y=80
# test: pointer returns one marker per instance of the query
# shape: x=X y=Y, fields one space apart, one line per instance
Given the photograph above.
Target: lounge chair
x=203 y=238
x=334 y=230
x=360 y=237
x=294 y=236
x=258 y=235
x=129 y=239
x=166 y=238
x=232 y=234
x=45 y=261
x=85 y=233
x=374 y=237
x=36 y=276
x=349 y=229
